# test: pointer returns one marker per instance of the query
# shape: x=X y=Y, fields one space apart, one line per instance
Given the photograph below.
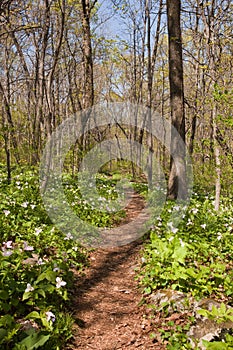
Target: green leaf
x=4 y=306
x=34 y=341
x=26 y=295
x=215 y=345
x=203 y=312
x=3 y=333
x=180 y=254
x=4 y=295
x=48 y=275
x=6 y=321
x=33 y=315
x=41 y=292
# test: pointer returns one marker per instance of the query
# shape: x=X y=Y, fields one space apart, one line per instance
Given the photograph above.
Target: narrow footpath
x=107 y=298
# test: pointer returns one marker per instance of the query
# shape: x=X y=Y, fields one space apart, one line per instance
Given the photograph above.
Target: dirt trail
x=107 y=299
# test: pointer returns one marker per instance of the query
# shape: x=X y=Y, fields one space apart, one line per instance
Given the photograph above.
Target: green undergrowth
x=36 y=269
x=95 y=203
x=38 y=261
x=194 y=257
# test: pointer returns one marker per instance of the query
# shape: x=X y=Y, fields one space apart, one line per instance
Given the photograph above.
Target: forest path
x=107 y=298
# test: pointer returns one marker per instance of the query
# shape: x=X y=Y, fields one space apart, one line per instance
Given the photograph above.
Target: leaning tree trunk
x=177 y=178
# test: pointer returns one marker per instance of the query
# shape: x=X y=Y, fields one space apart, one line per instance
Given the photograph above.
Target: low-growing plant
x=194 y=258
x=36 y=270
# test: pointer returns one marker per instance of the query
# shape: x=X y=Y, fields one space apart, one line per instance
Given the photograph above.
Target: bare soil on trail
x=107 y=298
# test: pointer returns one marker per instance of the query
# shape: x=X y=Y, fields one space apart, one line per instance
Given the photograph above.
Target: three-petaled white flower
x=40 y=262
x=38 y=231
x=60 y=282
x=189 y=222
x=174 y=229
x=176 y=207
x=68 y=236
x=203 y=226
x=8 y=245
x=219 y=236
x=24 y=204
x=29 y=288
x=6 y=252
x=50 y=316
x=6 y=212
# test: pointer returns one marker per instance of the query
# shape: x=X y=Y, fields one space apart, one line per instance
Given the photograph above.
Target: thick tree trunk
x=177 y=178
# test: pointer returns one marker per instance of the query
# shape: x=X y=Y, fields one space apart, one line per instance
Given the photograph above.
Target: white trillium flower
x=68 y=236
x=6 y=212
x=27 y=247
x=203 y=226
x=29 y=288
x=24 y=205
x=189 y=222
x=60 y=282
x=56 y=269
x=6 y=252
x=40 y=262
x=219 y=236
x=174 y=229
x=50 y=316
x=8 y=245
x=38 y=231
x=176 y=207
x=182 y=243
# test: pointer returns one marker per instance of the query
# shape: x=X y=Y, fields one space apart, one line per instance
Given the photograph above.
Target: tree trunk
x=177 y=177
x=88 y=95
x=217 y=160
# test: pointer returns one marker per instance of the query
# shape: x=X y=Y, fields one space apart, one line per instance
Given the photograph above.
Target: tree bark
x=177 y=177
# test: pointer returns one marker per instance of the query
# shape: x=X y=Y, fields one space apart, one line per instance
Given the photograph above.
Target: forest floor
x=107 y=298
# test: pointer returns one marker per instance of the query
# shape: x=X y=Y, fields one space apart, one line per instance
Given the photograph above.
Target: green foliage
x=175 y=336
x=220 y=315
x=219 y=345
x=194 y=258
x=99 y=213
x=36 y=264
x=37 y=260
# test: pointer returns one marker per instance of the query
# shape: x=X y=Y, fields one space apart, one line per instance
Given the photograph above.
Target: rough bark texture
x=177 y=178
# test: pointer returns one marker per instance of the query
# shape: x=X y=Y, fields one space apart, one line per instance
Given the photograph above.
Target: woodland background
x=59 y=57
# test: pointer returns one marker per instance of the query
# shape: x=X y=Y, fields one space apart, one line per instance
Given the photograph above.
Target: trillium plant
x=36 y=270
x=195 y=258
